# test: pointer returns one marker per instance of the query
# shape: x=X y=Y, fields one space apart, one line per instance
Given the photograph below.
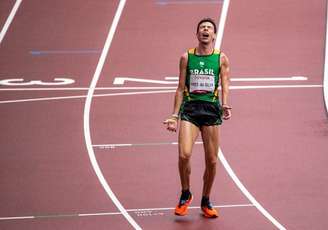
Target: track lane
x=287 y=125
x=120 y=62
x=288 y=159
x=45 y=160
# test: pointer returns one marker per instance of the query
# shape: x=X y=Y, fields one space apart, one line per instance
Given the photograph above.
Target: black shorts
x=201 y=113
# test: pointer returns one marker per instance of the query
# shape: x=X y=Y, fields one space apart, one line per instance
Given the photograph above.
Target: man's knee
x=185 y=153
x=211 y=163
x=184 y=156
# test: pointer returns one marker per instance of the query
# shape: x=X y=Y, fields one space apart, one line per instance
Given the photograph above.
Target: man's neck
x=204 y=49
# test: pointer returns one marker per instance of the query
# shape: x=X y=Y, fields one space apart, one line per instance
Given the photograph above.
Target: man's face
x=206 y=33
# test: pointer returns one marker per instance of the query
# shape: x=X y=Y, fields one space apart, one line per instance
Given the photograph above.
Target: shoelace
x=182 y=202
x=208 y=205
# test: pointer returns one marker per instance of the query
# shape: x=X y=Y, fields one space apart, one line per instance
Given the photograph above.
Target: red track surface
x=276 y=142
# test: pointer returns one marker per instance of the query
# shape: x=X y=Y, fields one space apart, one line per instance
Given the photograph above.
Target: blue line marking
x=81 y=51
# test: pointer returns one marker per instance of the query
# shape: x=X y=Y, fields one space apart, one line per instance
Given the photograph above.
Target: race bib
x=202 y=83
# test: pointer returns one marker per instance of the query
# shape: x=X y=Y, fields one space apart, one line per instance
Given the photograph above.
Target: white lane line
x=274 y=86
x=9 y=20
x=233 y=176
x=325 y=77
x=223 y=18
x=86 y=116
x=112 y=146
x=42 y=99
x=85 y=88
x=174 y=80
x=169 y=90
x=84 y=96
x=191 y=207
x=135 y=210
x=17 y=218
x=154 y=88
x=258 y=79
x=293 y=78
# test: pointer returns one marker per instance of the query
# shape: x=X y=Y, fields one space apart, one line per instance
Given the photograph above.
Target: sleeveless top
x=202 y=78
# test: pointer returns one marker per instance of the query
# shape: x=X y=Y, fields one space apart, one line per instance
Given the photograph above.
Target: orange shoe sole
x=210 y=213
x=183 y=209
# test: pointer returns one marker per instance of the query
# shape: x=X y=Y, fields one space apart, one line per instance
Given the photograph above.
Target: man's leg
x=188 y=133
x=210 y=135
x=187 y=137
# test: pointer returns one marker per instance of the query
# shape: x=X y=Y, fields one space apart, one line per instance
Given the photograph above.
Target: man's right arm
x=172 y=121
x=182 y=80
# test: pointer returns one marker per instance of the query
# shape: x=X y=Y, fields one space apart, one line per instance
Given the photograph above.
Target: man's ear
x=214 y=37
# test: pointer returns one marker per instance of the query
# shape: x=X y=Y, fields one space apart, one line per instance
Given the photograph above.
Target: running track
x=276 y=142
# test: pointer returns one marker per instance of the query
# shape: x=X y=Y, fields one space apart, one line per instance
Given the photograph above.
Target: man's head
x=206 y=30
x=210 y=20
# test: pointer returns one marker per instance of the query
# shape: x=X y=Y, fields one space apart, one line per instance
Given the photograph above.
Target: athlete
x=198 y=109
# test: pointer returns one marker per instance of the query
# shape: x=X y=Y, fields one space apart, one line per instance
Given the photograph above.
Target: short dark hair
x=210 y=20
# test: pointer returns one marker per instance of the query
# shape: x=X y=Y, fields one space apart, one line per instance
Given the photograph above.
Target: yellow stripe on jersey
x=193 y=51
x=216 y=51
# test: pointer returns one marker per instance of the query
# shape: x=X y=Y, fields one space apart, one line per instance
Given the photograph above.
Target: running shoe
x=182 y=208
x=209 y=211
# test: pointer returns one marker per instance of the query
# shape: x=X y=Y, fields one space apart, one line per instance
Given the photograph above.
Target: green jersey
x=202 y=78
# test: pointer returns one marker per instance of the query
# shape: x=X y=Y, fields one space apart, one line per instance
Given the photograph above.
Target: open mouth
x=205 y=35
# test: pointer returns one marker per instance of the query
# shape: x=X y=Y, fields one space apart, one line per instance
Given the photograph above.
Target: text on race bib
x=202 y=83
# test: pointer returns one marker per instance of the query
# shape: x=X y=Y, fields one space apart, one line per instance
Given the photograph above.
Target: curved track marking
x=227 y=167
x=325 y=77
x=86 y=122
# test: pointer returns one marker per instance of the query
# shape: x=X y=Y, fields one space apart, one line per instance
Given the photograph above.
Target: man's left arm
x=225 y=79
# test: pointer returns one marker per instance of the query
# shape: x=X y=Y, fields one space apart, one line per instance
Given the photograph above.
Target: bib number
x=202 y=83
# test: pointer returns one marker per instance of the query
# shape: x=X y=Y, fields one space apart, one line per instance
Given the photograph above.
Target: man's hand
x=172 y=123
x=226 y=112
